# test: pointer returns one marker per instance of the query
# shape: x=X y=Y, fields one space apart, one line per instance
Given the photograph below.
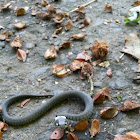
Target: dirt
x=17 y=77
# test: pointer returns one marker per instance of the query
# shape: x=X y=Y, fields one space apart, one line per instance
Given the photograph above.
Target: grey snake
x=32 y=116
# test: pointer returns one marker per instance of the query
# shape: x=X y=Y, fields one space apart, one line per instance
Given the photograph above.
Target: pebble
x=29 y=45
x=2 y=44
x=41 y=71
x=98 y=84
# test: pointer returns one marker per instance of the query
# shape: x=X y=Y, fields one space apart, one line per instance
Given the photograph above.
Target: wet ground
x=17 y=77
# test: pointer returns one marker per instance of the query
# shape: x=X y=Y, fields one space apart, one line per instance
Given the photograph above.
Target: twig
x=82 y=6
x=121 y=56
x=91 y=85
x=111 y=134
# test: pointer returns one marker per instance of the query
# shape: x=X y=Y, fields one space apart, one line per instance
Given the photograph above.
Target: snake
x=48 y=105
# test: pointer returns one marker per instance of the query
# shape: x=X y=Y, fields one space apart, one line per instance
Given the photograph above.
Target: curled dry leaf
x=51 y=9
x=58 y=18
x=123 y=137
x=130 y=105
x=21 y=12
x=19 y=25
x=106 y=92
x=108 y=112
x=1 y=125
x=57 y=134
x=79 y=36
x=133 y=135
x=100 y=49
x=44 y=3
x=75 y=65
x=83 y=56
x=57 y=31
x=94 y=128
x=86 y=21
x=81 y=126
x=99 y=98
x=60 y=70
x=108 y=8
x=21 y=55
x=16 y=43
x=3 y=36
x=50 y=53
x=43 y=15
x=68 y=25
x=25 y=102
x=71 y=136
x=136 y=3
x=109 y=73
x=5 y=127
x=66 y=44
x=5 y=6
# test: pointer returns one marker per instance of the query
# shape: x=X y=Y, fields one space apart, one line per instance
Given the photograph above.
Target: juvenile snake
x=52 y=102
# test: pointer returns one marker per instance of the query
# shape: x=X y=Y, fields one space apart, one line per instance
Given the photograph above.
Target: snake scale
x=52 y=102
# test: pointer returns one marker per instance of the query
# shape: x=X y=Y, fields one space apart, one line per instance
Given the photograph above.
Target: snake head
x=1 y=113
x=61 y=121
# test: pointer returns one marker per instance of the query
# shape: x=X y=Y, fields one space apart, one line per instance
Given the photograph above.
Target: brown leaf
x=123 y=137
x=3 y=36
x=58 y=18
x=71 y=136
x=100 y=49
x=5 y=127
x=81 y=126
x=25 y=102
x=136 y=3
x=34 y=12
x=68 y=25
x=16 y=43
x=66 y=44
x=130 y=105
x=84 y=56
x=108 y=112
x=57 y=134
x=86 y=21
x=60 y=70
x=133 y=135
x=50 y=53
x=79 y=36
x=19 y=25
x=51 y=9
x=108 y=8
x=94 y=128
x=97 y=62
x=0 y=135
x=75 y=65
x=106 y=92
x=21 y=12
x=44 y=3
x=109 y=73
x=42 y=15
x=1 y=125
x=99 y=98
x=21 y=55
x=57 y=31
x=5 y=6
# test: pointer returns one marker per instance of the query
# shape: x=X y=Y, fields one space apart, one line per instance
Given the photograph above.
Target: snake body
x=52 y=102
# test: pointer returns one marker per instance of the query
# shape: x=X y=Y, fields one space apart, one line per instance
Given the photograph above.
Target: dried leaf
x=58 y=18
x=5 y=127
x=123 y=137
x=57 y=134
x=86 y=21
x=25 y=102
x=106 y=92
x=79 y=36
x=21 y=55
x=99 y=98
x=97 y=62
x=66 y=44
x=19 y=25
x=109 y=73
x=60 y=70
x=57 y=31
x=44 y=3
x=0 y=135
x=100 y=49
x=51 y=9
x=34 y=12
x=21 y=12
x=50 y=53
x=94 y=128
x=75 y=65
x=136 y=3
x=43 y=15
x=1 y=125
x=81 y=126
x=83 y=56
x=68 y=25
x=133 y=135
x=108 y=8
x=16 y=43
x=5 y=6
x=71 y=136
x=108 y=112
x=130 y=105
x=104 y=64
x=3 y=36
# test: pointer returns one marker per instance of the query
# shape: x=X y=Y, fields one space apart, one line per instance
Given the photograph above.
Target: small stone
x=29 y=45
x=117 y=21
x=2 y=44
x=98 y=84
x=39 y=80
x=56 y=83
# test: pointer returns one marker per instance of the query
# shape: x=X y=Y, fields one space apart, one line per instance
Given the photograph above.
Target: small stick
x=121 y=56
x=82 y=6
x=91 y=85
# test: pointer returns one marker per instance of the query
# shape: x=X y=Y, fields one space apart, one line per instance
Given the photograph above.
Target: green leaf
x=119 y=97
x=126 y=20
